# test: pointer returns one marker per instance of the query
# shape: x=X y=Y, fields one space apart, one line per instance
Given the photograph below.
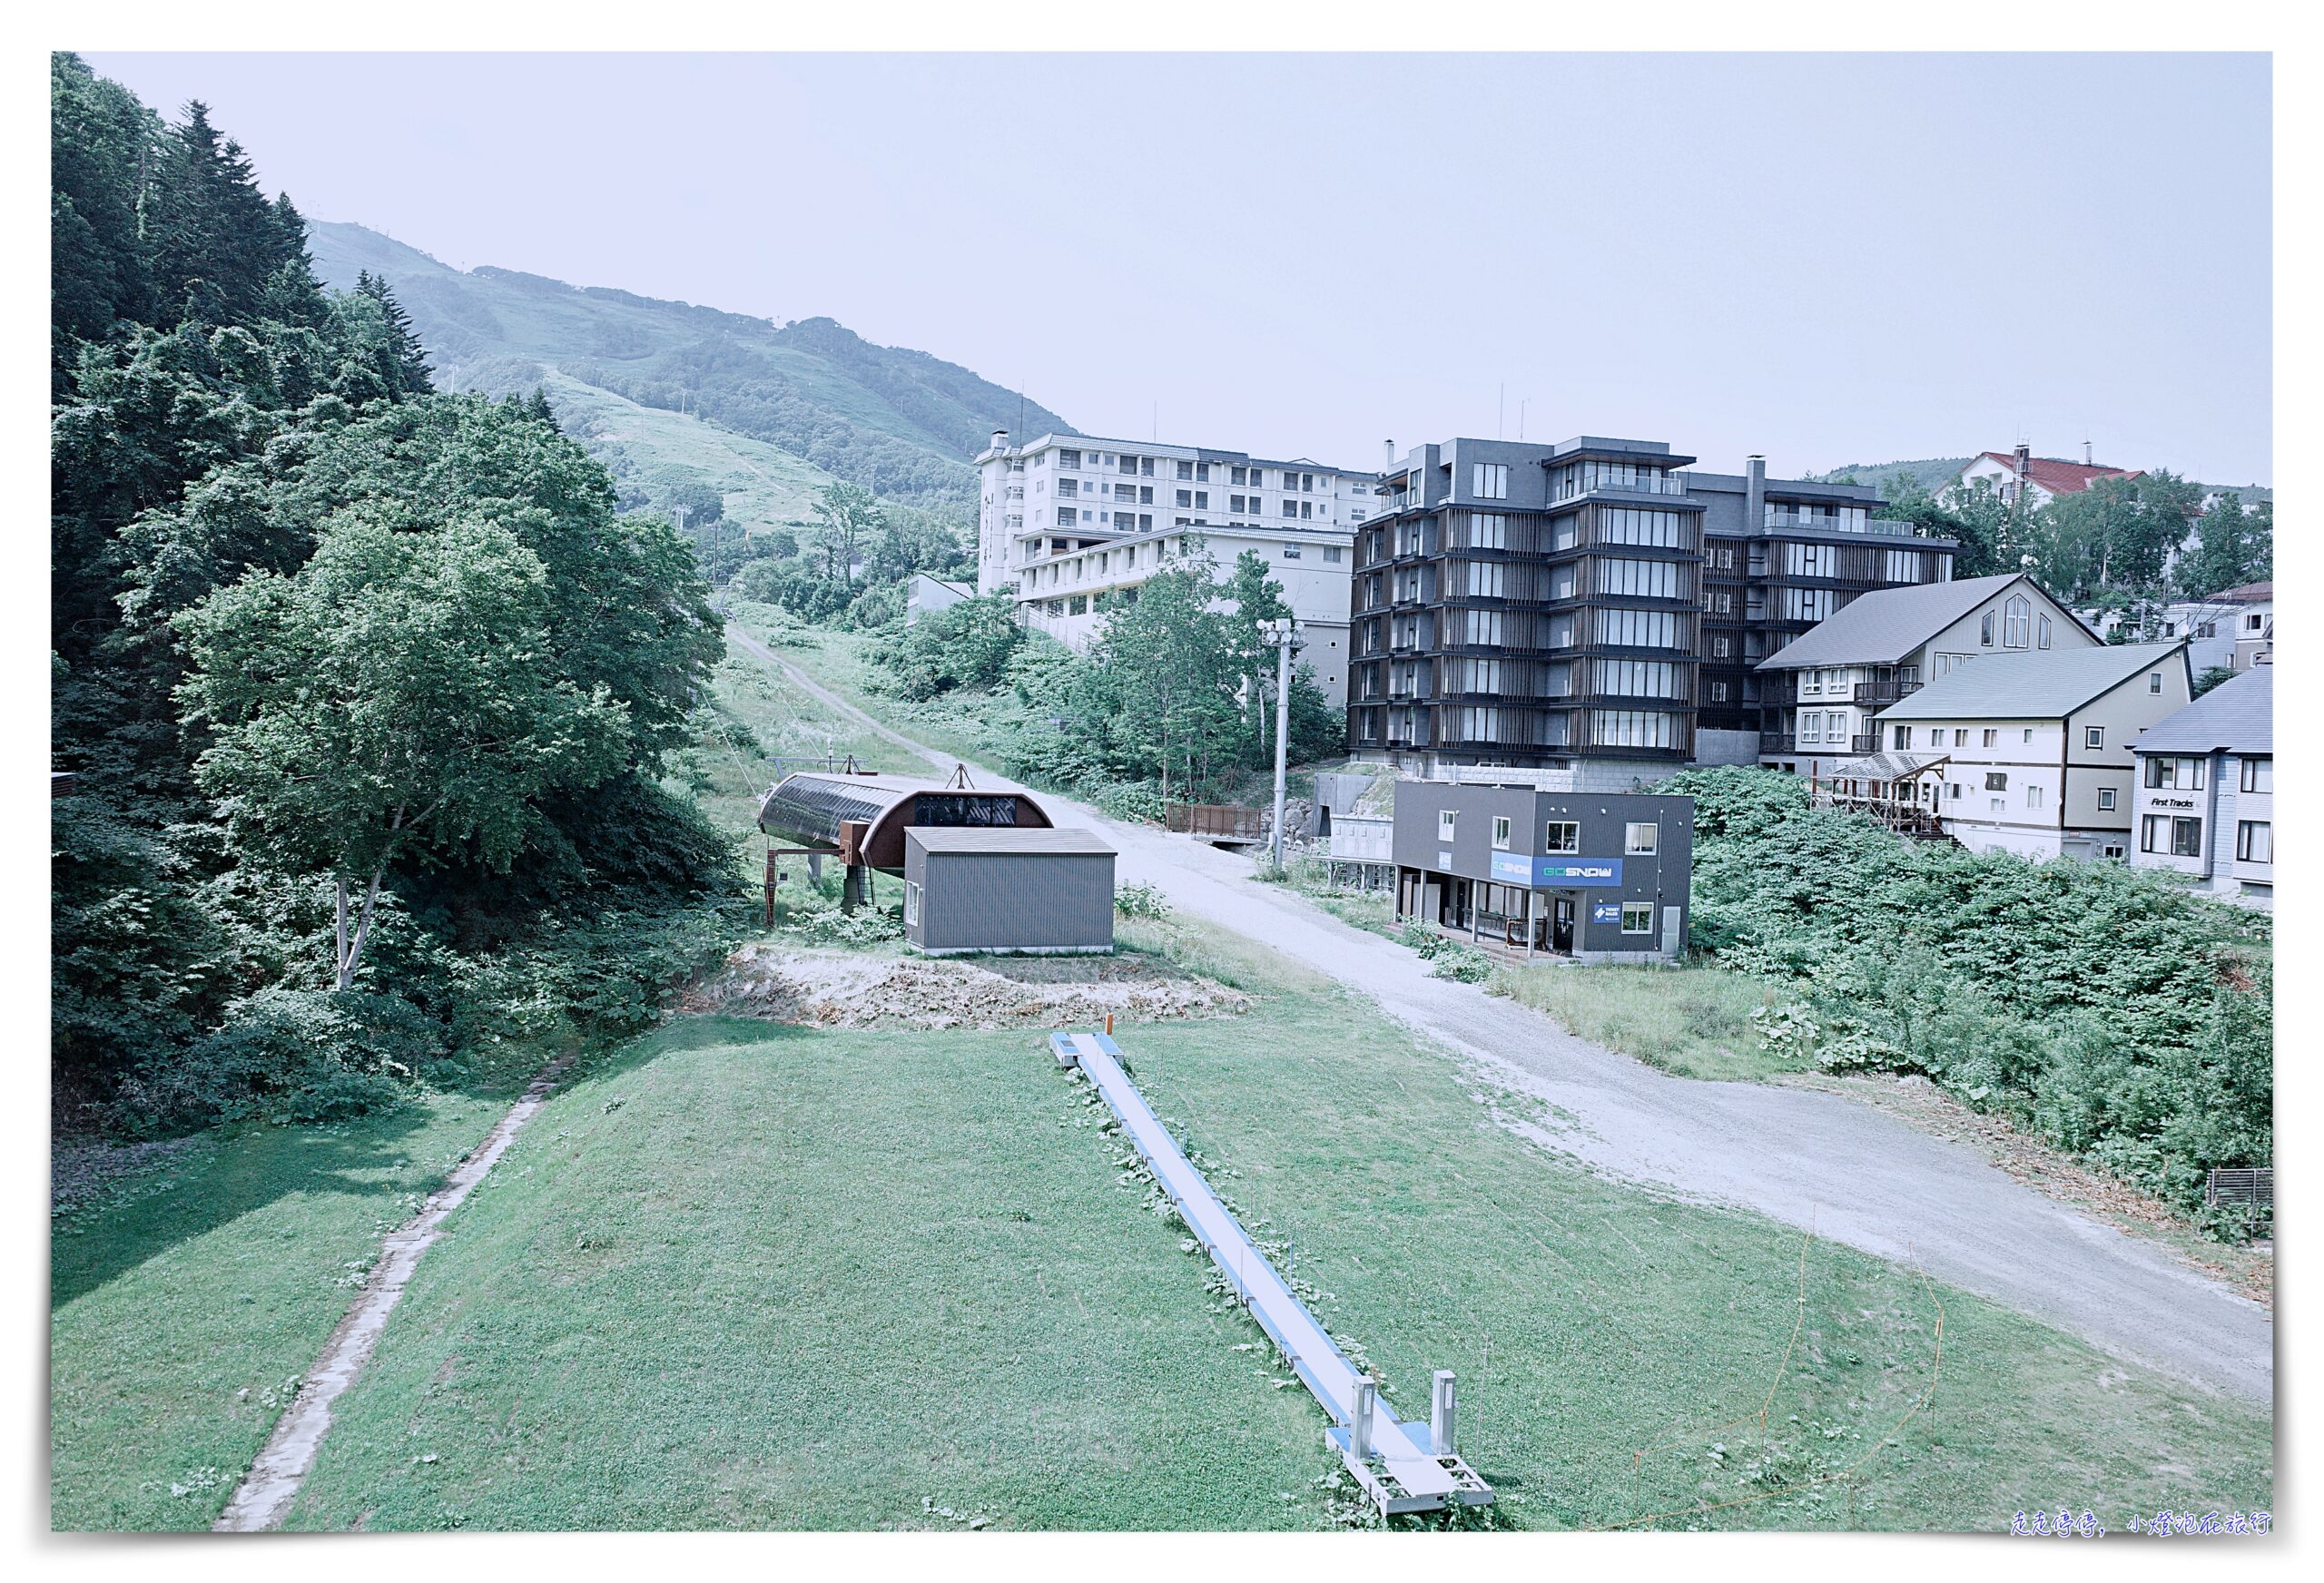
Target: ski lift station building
x=817 y=808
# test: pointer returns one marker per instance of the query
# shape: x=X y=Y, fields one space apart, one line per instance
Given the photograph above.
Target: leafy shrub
x=1141 y=900
x=296 y=1055
x=841 y=928
x=2107 y=1008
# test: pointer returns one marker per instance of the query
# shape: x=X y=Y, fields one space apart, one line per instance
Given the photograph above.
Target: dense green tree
x=1163 y=675
x=2233 y=546
x=848 y=517
x=397 y=700
x=2117 y=534
x=1977 y=516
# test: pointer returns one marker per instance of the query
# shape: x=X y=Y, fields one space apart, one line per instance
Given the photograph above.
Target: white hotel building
x=1075 y=522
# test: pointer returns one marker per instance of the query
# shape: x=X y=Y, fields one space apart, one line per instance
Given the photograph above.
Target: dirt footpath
x=842 y=988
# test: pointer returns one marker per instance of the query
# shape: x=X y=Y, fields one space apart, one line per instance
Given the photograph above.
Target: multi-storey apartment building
x=1077 y=524
x=2030 y=753
x=1779 y=556
x=2207 y=790
x=1570 y=607
x=1823 y=689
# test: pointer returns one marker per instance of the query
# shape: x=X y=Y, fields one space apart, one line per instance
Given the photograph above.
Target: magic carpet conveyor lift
x=1401 y=1467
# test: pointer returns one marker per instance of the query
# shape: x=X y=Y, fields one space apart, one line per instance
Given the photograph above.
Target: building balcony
x=1880 y=695
x=1668 y=484
x=1864 y=743
x=1779 y=742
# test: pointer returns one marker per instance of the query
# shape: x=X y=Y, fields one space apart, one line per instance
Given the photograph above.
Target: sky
x=1823 y=259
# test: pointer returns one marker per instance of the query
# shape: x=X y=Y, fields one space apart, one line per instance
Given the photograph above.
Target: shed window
x=912 y=905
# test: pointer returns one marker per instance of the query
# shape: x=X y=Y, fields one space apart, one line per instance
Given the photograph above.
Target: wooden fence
x=1212 y=820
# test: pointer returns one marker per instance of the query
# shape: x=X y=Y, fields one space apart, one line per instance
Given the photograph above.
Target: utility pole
x=1283 y=637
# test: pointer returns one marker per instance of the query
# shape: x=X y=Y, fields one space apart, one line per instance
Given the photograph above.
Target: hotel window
x=2106 y=800
x=1068 y=459
x=1186 y=470
x=1491 y=480
x=2033 y=797
x=1637 y=917
x=1202 y=472
x=2255 y=841
x=2093 y=737
x=1564 y=835
x=2016 y=622
x=1639 y=579
x=1993 y=737
x=1186 y=497
x=1500 y=832
x=1900 y=737
x=1807 y=560
x=2175 y=774
x=2172 y=834
x=1997 y=781
x=2259 y=775
x=1066 y=515
x=2029 y=733
x=1638 y=839
x=1445 y=819
x=1960 y=736
x=1291 y=508
x=1634 y=728
x=1331 y=555
x=1488 y=530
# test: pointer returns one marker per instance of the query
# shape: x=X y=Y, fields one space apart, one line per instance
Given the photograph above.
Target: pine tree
x=216 y=239
x=538 y=406
x=406 y=359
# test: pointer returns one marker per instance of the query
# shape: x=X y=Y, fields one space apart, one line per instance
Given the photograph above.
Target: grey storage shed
x=1008 y=888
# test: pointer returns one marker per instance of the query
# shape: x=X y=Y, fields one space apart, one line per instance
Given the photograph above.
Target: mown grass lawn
x=185 y=1299
x=768 y=1277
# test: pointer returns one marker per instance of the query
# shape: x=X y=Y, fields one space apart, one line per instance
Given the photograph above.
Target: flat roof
x=1007 y=839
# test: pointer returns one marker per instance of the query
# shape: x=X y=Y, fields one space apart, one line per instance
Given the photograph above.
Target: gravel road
x=1859 y=1177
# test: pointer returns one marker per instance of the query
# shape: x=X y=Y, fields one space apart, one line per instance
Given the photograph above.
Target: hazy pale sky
x=1827 y=258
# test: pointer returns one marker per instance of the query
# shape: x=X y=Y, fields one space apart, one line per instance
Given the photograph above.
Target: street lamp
x=1283 y=637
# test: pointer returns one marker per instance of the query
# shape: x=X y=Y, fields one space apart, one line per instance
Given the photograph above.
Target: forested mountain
x=900 y=422
x=360 y=692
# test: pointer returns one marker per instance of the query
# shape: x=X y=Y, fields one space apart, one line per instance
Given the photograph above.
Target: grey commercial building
x=1593 y=608
x=1602 y=877
x=999 y=888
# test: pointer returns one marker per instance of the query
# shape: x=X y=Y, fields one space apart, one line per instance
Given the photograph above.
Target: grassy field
x=184 y=1301
x=765 y=486
x=1693 y=1020
x=761 y=1276
x=756 y=717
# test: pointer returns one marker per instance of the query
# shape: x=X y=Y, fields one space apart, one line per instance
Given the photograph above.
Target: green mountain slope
x=902 y=421
x=1931 y=474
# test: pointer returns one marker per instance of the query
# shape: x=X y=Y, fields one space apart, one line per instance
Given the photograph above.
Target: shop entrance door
x=1561 y=925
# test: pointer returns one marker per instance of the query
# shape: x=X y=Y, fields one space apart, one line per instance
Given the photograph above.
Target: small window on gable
x=2155 y=682
x=2093 y=737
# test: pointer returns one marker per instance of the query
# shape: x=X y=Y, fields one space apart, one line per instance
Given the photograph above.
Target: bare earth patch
x=2249 y=1270
x=852 y=989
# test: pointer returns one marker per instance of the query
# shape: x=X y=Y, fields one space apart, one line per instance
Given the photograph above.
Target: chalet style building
x=2207 y=792
x=2029 y=752
x=1823 y=690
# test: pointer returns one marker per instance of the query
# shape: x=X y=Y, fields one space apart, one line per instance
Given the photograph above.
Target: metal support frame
x=1400 y=1466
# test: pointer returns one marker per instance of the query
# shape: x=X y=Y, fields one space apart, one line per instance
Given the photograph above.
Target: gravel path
x=1862 y=1177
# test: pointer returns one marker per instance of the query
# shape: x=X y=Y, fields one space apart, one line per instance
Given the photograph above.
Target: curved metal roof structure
x=810 y=806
